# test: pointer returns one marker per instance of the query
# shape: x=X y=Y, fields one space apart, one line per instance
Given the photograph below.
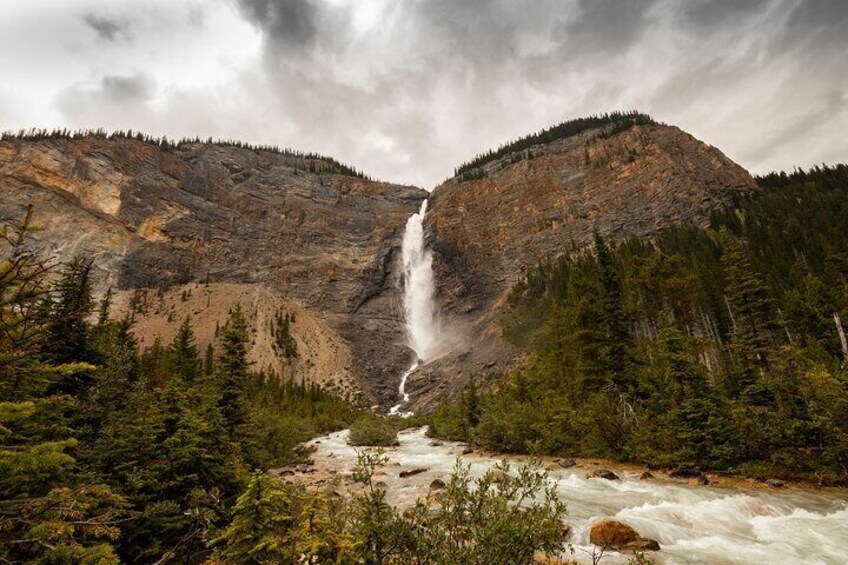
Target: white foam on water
x=694 y=525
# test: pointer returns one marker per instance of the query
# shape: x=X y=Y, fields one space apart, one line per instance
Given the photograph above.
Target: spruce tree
x=234 y=369
x=68 y=326
x=183 y=353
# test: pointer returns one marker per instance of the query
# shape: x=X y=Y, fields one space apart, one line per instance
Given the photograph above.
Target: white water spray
x=422 y=329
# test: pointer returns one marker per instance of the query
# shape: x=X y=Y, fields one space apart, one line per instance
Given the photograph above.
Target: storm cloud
x=408 y=89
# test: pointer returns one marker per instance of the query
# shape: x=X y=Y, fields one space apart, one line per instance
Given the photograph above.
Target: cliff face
x=546 y=201
x=203 y=226
x=193 y=230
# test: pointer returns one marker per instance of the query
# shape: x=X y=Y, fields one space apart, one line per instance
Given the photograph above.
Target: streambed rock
x=602 y=474
x=618 y=536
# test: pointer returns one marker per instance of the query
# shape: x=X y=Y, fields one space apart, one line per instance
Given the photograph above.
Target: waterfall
x=419 y=309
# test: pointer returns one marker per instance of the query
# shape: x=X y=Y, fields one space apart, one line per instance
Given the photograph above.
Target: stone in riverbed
x=438 y=484
x=566 y=463
x=699 y=481
x=602 y=474
x=411 y=472
x=646 y=476
x=611 y=534
x=467 y=451
x=775 y=483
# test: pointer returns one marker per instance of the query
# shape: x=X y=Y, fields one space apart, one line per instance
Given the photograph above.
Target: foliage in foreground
x=721 y=347
x=503 y=517
x=109 y=454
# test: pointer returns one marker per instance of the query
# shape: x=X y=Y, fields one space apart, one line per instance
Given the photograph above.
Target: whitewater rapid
x=419 y=288
x=694 y=525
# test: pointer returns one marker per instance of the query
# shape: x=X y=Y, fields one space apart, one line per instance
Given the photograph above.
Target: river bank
x=730 y=521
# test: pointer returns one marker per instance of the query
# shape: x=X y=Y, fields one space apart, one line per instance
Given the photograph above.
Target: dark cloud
x=603 y=27
x=106 y=28
x=710 y=14
x=821 y=13
x=284 y=23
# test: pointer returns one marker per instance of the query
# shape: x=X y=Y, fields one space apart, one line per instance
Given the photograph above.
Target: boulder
x=566 y=463
x=438 y=484
x=699 y=481
x=775 y=483
x=646 y=476
x=615 y=535
x=602 y=474
x=467 y=451
x=435 y=443
x=411 y=472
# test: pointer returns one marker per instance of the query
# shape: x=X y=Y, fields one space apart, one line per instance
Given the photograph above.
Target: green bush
x=370 y=430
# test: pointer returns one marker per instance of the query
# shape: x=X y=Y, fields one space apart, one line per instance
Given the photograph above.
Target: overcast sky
x=408 y=89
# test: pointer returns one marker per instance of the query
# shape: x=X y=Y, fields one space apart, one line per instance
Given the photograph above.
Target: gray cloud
x=106 y=28
x=285 y=23
x=114 y=95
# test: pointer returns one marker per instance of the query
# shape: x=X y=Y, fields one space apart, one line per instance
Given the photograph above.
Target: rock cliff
x=489 y=225
x=192 y=229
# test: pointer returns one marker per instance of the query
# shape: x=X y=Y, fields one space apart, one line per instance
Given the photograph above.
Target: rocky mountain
x=532 y=201
x=193 y=228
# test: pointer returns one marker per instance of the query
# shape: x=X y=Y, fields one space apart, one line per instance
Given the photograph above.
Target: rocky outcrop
x=274 y=229
x=611 y=534
x=545 y=202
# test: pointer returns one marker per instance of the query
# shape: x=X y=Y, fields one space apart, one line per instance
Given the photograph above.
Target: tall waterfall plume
x=422 y=325
x=419 y=288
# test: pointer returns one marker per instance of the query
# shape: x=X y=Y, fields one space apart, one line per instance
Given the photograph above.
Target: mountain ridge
x=322 y=239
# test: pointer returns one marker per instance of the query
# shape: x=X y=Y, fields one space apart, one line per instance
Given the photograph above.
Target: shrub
x=370 y=430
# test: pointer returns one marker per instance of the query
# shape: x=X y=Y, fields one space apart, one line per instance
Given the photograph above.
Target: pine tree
x=262 y=517
x=750 y=309
x=613 y=316
x=183 y=353
x=233 y=369
x=68 y=327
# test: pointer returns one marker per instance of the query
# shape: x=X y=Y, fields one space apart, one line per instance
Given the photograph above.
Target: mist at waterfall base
x=422 y=325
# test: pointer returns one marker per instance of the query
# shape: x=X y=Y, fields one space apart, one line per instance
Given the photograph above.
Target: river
x=693 y=524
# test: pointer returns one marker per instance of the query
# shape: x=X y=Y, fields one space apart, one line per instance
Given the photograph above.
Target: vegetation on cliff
x=312 y=162
x=722 y=347
x=612 y=123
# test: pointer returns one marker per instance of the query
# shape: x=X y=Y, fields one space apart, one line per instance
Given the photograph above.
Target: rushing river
x=703 y=524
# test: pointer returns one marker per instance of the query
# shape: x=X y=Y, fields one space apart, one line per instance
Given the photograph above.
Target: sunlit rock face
x=293 y=233
x=538 y=204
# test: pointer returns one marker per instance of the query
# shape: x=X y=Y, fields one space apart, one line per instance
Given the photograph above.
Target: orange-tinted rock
x=618 y=536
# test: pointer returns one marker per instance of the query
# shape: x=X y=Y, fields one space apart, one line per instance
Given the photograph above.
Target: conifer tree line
x=109 y=453
x=720 y=347
x=612 y=123
x=312 y=162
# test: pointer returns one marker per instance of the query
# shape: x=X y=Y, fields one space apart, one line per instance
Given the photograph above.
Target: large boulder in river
x=611 y=534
